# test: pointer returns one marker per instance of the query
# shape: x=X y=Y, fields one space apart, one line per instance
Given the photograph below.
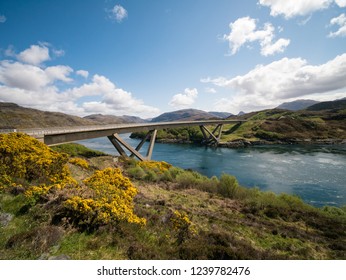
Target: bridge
x=55 y=136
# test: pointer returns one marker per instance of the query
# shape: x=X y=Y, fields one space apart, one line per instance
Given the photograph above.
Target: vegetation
x=181 y=135
x=148 y=210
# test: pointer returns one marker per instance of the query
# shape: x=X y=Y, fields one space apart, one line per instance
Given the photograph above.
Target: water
x=315 y=173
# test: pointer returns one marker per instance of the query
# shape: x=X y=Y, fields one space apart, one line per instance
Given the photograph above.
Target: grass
x=74 y=149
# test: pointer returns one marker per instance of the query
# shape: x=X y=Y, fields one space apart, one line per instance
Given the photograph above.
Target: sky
x=147 y=57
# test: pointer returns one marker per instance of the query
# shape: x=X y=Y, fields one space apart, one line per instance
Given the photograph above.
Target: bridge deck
x=54 y=136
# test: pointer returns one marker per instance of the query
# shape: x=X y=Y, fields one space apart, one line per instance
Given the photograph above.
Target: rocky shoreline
x=245 y=143
x=241 y=143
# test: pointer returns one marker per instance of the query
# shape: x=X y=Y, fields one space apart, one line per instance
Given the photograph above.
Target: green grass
x=74 y=149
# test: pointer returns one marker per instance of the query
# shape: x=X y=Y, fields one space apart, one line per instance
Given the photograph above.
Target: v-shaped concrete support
x=119 y=143
x=211 y=138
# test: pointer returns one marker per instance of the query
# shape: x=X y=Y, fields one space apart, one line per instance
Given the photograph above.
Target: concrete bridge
x=55 y=136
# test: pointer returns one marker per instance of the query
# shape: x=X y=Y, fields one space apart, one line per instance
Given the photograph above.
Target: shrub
x=228 y=186
x=25 y=159
x=157 y=166
x=182 y=225
x=136 y=172
x=79 y=162
x=108 y=200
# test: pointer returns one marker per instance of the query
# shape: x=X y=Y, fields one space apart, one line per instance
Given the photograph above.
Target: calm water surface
x=315 y=173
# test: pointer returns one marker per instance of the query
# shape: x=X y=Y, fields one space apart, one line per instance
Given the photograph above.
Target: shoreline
x=242 y=143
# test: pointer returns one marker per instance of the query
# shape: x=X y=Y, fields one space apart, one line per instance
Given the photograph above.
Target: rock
x=5 y=219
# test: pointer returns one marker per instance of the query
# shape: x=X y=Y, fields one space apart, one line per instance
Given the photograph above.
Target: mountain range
x=15 y=116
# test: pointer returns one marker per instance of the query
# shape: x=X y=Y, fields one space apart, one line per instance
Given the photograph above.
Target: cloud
x=83 y=73
x=118 y=13
x=31 y=77
x=283 y=80
x=210 y=90
x=290 y=9
x=34 y=55
x=341 y=22
x=2 y=19
x=244 y=30
x=49 y=88
x=184 y=100
x=341 y=3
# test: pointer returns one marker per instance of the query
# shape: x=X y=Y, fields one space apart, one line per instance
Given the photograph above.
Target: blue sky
x=147 y=57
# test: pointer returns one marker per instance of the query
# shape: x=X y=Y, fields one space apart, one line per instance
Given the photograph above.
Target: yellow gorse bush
x=23 y=158
x=79 y=162
x=182 y=225
x=111 y=201
x=158 y=166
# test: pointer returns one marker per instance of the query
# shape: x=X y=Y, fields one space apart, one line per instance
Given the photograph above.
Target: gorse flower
x=158 y=166
x=182 y=225
x=25 y=158
x=79 y=162
x=111 y=200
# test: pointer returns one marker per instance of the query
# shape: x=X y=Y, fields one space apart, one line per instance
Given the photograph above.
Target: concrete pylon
x=119 y=143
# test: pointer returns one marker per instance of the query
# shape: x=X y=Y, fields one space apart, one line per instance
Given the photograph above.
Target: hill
x=222 y=115
x=111 y=119
x=297 y=104
x=329 y=105
x=15 y=116
x=283 y=126
x=185 y=115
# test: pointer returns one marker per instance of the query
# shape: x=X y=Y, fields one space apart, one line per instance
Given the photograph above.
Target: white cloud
x=31 y=77
x=59 y=73
x=2 y=19
x=210 y=90
x=184 y=100
x=35 y=55
x=118 y=13
x=341 y=22
x=290 y=9
x=283 y=80
x=83 y=73
x=341 y=3
x=22 y=76
x=48 y=88
x=244 y=30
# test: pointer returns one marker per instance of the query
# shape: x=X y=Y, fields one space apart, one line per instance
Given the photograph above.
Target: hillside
x=77 y=207
x=111 y=119
x=297 y=104
x=329 y=105
x=15 y=116
x=222 y=115
x=185 y=115
x=283 y=126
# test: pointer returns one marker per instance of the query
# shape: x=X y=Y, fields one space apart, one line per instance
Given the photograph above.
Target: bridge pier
x=210 y=138
x=119 y=143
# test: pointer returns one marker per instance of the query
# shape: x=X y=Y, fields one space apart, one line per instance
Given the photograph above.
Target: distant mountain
x=111 y=119
x=222 y=115
x=329 y=105
x=241 y=113
x=15 y=116
x=297 y=104
x=184 y=115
